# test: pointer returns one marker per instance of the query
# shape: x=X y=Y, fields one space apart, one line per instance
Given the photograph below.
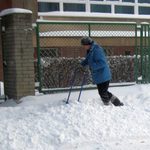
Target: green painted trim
x=136 y=56
x=141 y=51
x=149 y=53
x=38 y=54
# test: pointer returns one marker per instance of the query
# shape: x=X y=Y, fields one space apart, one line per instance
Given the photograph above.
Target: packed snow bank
x=45 y=122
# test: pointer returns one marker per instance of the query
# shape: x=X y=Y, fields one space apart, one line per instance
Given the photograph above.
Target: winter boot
x=106 y=103
x=115 y=101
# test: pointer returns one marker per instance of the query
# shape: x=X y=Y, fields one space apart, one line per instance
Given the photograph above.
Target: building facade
x=118 y=10
x=95 y=10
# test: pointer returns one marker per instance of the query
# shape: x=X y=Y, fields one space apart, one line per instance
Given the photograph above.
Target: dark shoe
x=118 y=104
x=116 y=101
x=106 y=103
x=121 y=104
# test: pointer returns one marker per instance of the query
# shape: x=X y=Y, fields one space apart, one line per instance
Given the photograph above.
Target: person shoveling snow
x=100 y=70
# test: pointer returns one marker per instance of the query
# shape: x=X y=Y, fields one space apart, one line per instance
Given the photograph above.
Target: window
x=124 y=9
x=112 y=0
x=144 y=10
x=101 y=8
x=130 y=1
x=144 y=1
x=96 y=0
x=47 y=7
x=74 y=7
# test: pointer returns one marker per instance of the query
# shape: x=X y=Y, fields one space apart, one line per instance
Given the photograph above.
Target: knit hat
x=86 y=41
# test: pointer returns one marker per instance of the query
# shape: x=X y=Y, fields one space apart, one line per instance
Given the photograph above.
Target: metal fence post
x=38 y=55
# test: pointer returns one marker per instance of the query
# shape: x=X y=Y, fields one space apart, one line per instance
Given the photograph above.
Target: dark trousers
x=103 y=91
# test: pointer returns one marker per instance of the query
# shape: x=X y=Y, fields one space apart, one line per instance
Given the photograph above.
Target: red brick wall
x=4 y=4
x=26 y=4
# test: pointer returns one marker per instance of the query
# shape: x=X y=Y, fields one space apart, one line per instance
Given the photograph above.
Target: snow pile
x=45 y=122
x=14 y=10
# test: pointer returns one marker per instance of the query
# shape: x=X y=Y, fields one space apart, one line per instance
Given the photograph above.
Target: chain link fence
x=60 y=52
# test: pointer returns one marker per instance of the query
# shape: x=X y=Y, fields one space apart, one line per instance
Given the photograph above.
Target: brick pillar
x=1 y=60
x=18 y=53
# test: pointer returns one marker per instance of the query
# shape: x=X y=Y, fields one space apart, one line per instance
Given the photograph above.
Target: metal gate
x=59 y=51
x=142 y=65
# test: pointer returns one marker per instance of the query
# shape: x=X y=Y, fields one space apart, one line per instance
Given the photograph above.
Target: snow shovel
x=83 y=81
x=72 y=83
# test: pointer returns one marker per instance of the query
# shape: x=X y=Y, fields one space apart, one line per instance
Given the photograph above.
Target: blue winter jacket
x=98 y=65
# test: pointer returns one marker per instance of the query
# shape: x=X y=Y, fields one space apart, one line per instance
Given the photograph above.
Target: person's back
x=98 y=65
x=101 y=62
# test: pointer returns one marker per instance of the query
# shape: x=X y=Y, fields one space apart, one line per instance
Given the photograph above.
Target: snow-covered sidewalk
x=45 y=122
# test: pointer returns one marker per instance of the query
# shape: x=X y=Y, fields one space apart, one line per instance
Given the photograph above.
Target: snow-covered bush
x=58 y=72
x=122 y=68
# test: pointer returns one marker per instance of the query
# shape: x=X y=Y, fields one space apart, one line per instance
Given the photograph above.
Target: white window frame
x=88 y=4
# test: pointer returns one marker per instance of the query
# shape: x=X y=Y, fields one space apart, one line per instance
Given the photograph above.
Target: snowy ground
x=44 y=122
